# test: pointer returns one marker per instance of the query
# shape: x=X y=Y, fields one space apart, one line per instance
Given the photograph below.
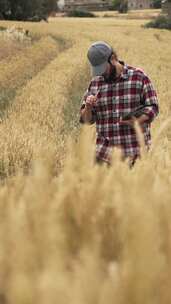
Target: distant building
x=166 y=7
x=89 y=5
x=139 y=4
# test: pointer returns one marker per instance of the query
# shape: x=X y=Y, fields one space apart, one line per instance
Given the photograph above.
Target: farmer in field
x=114 y=94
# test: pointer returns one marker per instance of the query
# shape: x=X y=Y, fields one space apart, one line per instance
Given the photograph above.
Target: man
x=115 y=90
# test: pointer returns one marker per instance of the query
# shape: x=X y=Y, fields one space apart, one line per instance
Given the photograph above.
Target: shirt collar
x=124 y=74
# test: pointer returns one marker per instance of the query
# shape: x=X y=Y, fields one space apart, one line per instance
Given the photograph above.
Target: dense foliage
x=156 y=3
x=161 y=22
x=26 y=10
x=80 y=13
x=120 y=5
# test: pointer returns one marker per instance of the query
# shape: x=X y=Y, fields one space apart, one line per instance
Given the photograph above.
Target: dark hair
x=113 y=52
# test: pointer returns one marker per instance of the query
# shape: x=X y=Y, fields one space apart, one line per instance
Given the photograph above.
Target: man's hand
x=86 y=113
x=91 y=101
x=131 y=122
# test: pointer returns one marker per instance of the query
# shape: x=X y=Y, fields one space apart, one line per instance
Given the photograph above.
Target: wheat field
x=72 y=232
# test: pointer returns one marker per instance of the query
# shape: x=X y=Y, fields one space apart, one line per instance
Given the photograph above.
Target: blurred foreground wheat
x=91 y=235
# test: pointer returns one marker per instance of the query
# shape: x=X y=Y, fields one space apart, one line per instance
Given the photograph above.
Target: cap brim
x=98 y=70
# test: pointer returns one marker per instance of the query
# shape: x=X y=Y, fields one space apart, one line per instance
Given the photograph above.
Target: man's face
x=110 y=73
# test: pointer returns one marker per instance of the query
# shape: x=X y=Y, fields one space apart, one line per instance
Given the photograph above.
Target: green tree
x=49 y=6
x=4 y=8
x=116 y=4
x=27 y=10
x=156 y=3
x=120 y=5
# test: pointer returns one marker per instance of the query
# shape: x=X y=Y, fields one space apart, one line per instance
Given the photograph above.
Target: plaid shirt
x=130 y=91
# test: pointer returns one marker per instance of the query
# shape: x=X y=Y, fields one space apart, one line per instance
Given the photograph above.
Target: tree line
x=122 y=5
x=35 y=10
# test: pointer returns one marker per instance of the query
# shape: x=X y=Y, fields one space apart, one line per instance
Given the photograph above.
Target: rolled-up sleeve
x=149 y=99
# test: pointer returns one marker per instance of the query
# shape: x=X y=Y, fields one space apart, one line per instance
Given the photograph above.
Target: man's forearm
x=143 y=118
x=86 y=114
x=131 y=122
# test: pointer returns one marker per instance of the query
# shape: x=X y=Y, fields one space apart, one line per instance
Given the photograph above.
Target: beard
x=111 y=77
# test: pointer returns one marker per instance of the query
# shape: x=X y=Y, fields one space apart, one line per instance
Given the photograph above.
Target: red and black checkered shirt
x=131 y=90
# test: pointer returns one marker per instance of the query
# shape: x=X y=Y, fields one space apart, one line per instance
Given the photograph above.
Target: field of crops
x=70 y=231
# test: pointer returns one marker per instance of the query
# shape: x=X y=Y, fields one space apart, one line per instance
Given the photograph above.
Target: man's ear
x=113 y=59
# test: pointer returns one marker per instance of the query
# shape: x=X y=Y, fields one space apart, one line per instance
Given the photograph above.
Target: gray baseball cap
x=98 y=55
